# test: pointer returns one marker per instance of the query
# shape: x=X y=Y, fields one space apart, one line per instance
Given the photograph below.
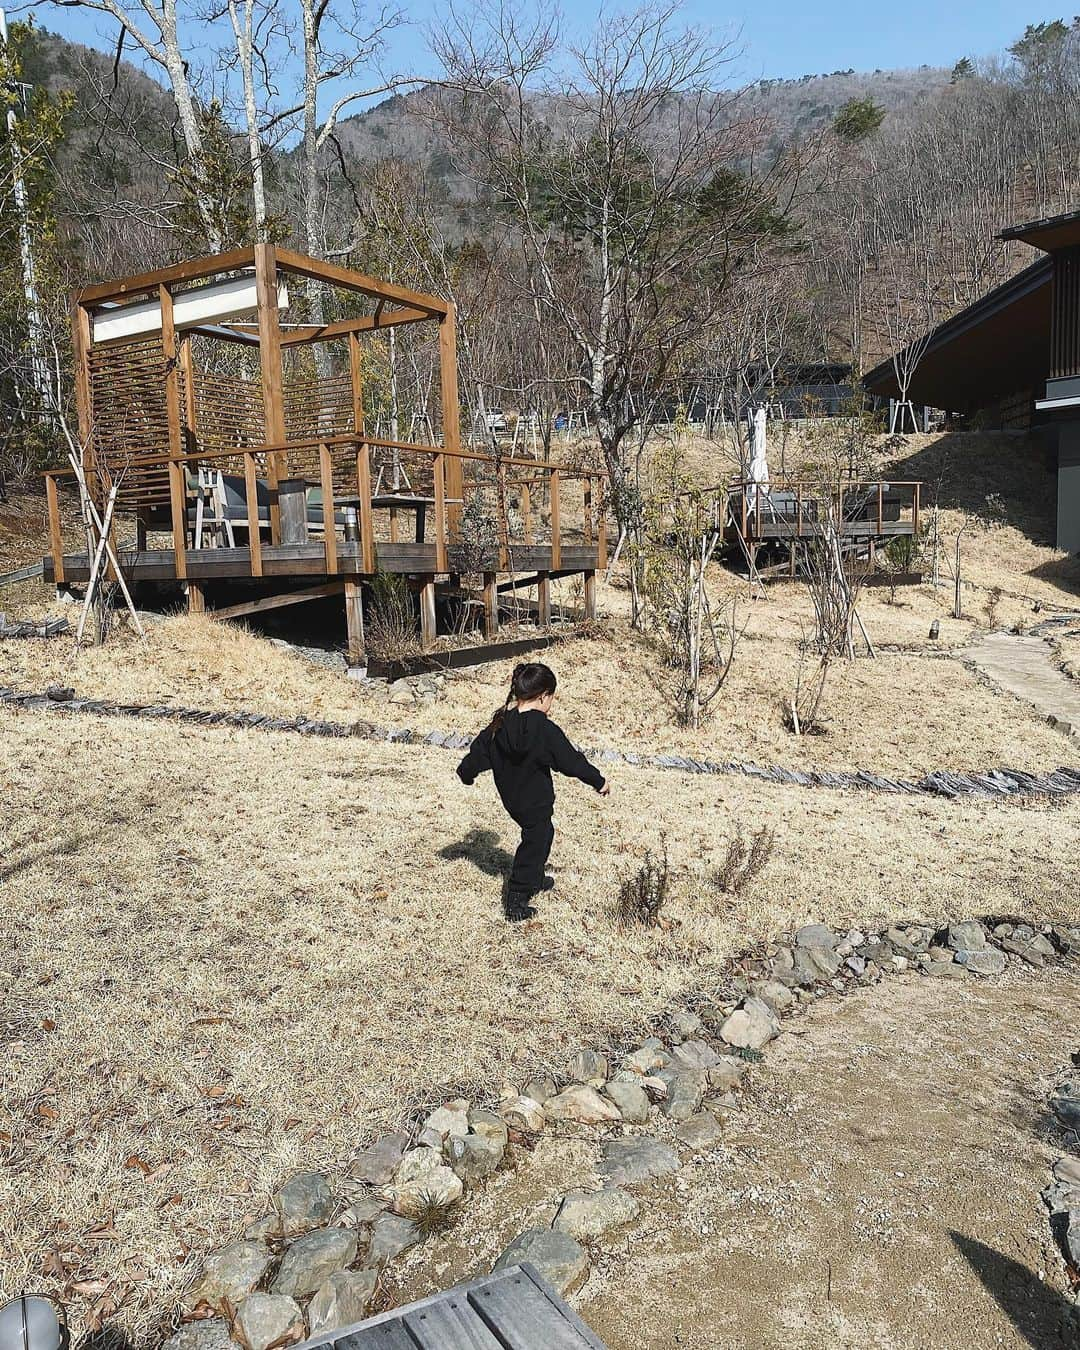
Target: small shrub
x=992 y=602
x=742 y=866
x=392 y=627
x=643 y=893
x=434 y=1213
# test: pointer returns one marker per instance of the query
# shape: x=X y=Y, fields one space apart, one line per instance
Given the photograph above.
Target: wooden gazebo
x=251 y=467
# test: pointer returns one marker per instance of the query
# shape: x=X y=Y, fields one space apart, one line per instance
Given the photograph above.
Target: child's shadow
x=481 y=848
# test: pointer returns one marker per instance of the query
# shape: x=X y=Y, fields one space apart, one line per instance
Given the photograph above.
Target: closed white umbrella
x=759 y=461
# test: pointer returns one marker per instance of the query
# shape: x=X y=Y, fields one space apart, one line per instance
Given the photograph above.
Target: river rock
x=229 y=1274
x=377 y=1163
x=589 y=1068
x=727 y=1073
x=212 y=1333
x=423 y=1178
x=816 y=935
x=475 y=1156
x=967 y=937
x=540 y=1089
x=304 y=1202
x=522 y=1113
x=559 y=1258
x=694 y=1055
x=700 y=1132
x=1065 y=1104
x=778 y=996
x=632 y=1161
x=390 y=1236
x=591 y=1214
x=269 y=1319
x=342 y=1300
x=631 y=1099
x=647 y=1060
x=685 y=1093
x=581 y=1103
x=685 y=1024
x=812 y=964
x=1067 y=1169
x=1071 y=1237
x=752 y=1025
x=311 y=1260
x=449 y=1121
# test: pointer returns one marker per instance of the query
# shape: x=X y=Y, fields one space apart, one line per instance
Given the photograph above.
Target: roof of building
x=1049 y=233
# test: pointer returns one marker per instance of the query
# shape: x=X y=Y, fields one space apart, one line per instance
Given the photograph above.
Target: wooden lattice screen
x=129 y=419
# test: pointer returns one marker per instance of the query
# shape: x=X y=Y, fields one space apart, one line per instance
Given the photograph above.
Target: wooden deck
x=789 y=510
x=512 y=1309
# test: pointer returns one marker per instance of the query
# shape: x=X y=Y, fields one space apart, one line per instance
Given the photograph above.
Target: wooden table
x=512 y=1309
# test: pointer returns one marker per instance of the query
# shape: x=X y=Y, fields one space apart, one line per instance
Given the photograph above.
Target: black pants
x=527 y=873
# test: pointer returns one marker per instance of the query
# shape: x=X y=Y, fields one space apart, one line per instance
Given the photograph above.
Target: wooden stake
x=354 y=622
x=590 y=595
x=491 y=605
x=543 y=599
x=428 y=632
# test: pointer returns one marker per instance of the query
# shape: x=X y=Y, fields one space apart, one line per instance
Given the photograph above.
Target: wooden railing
x=797 y=509
x=352 y=466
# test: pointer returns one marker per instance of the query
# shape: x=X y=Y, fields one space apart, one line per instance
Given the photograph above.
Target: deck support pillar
x=196 y=597
x=140 y=533
x=491 y=605
x=791 y=559
x=354 y=622
x=428 y=631
x=590 y=595
x=543 y=599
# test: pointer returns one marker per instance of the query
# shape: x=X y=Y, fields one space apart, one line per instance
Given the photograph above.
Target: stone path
x=1024 y=666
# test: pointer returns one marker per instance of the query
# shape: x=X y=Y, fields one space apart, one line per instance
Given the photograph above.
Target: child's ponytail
x=531 y=679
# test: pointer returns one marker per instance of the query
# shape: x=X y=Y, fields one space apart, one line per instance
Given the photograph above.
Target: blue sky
x=779 y=38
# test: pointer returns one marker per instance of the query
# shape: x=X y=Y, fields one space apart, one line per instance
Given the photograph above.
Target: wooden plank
x=194 y=269
x=438 y=472
x=266 y=290
x=326 y=476
x=356 y=383
x=601 y=529
x=590 y=595
x=196 y=598
x=451 y=414
x=367 y=523
x=251 y=491
x=35 y=570
x=526 y=513
x=428 y=629
x=556 y=542
x=382 y=1336
x=543 y=600
x=491 y=605
x=349 y=280
x=459 y=658
x=385 y=318
x=450 y=1324
x=267 y=602
x=591 y=1339
x=177 y=484
x=80 y=342
x=518 y=1313
x=354 y=622
x=56 y=541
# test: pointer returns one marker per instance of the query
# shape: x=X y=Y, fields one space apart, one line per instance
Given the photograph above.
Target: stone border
x=313 y=1263
x=1062 y=1196
x=1002 y=784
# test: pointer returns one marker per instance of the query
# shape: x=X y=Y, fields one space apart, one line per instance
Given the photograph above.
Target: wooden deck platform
x=512 y=1309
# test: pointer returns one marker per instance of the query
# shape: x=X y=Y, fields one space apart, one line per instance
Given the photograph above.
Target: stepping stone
x=559 y=1258
x=630 y=1162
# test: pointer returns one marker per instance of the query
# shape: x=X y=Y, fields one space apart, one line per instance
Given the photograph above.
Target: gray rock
x=815 y=963
x=390 y=1236
x=475 y=1156
x=342 y=1300
x=212 y=1333
x=581 y=1103
x=540 y=1089
x=1061 y=1196
x=647 y=1060
x=685 y=1024
x=559 y=1258
x=909 y=941
x=1063 y=939
x=523 y=1114
x=631 y=1099
x=589 y=1068
x=945 y=969
x=422 y=1178
x=1071 y=1237
x=1025 y=950
x=310 y=1261
x=727 y=1073
x=591 y=1214
x=876 y=953
x=856 y=964
x=1068 y=1170
x=816 y=935
x=488 y=1124
x=967 y=937
x=1065 y=1104
x=988 y=961
x=449 y=1120
x=778 y=996
x=700 y=1132
x=229 y=1274
x=304 y=1202
x=632 y=1161
x=752 y=1025
x=685 y=1093
x=378 y=1163
x=266 y=1319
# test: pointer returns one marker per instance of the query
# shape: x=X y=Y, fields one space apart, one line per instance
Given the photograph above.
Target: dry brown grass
x=232 y=954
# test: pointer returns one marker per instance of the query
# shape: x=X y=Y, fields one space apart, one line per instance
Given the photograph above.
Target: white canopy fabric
x=759 y=462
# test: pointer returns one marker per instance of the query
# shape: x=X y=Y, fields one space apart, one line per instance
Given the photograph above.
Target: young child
x=521 y=746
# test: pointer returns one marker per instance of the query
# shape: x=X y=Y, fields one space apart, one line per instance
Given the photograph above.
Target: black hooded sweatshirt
x=521 y=756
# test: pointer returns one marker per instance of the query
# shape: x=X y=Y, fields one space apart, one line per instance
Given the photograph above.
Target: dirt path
x=1024 y=666
x=879 y=1187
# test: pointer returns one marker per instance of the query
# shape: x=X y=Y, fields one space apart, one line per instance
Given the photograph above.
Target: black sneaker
x=519 y=913
x=548 y=884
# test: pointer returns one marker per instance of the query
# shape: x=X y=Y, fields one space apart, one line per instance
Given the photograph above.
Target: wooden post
x=140 y=533
x=326 y=477
x=556 y=541
x=502 y=516
x=915 y=508
x=177 y=483
x=266 y=291
x=543 y=599
x=196 y=598
x=367 y=524
x=880 y=490
x=251 y=491
x=588 y=505
x=439 y=475
x=356 y=379
x=526 y=513
x=190 y=419
x=81 y=341
x=354 y=621
x=451 y=415
x=428 y=631
x=601 y=531
x=56 y=540
x=491 y=605
x=590 y=595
